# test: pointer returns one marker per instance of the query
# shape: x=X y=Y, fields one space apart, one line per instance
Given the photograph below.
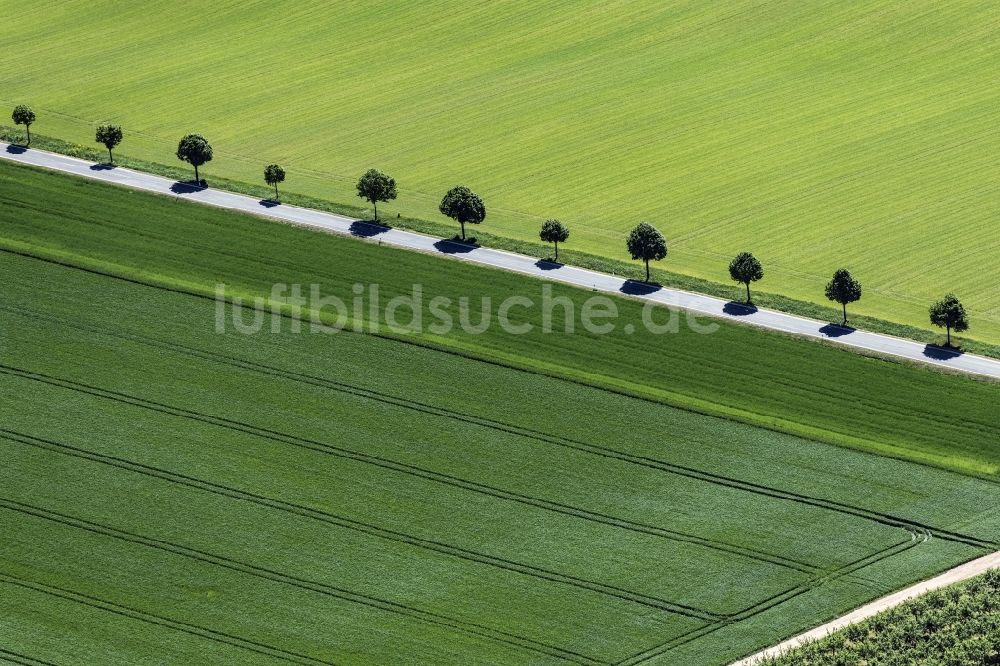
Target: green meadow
x=818 y=135
x=393 y=497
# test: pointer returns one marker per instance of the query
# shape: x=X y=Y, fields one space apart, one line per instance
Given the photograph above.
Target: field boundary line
x=675 y=298
x=954 y=575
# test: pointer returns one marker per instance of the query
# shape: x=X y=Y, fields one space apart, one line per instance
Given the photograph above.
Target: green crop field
x=816 y=134
x=957 y=625
x=430 y=498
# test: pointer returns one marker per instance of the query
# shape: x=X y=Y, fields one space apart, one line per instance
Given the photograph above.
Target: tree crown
x=194 y=149
x=553 y=231
x=646 y=243
x=843 y=288
x=949 y=312
x=463 y=205
x=376 y=186
x=745 y=268
x=109 y=135
x=274 y=174
x=22 y=115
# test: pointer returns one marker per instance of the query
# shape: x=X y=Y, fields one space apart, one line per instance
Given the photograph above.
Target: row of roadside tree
x=644 y=243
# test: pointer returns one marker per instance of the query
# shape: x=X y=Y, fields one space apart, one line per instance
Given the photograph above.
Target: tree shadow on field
x=456 y=246
x=368 y=229
x=269 y=203
x=737 y=309
x=636 y=288
x=188 y=187
x=548 y=265
x=939 y=353
x=103 y=166
x=836 y=330
x=16 y=150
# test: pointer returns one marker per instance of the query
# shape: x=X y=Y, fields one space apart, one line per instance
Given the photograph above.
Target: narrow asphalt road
x=950 y=577
x=692 y=302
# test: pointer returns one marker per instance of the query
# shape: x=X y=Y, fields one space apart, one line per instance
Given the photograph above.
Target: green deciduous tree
x=950 y=313
x=646 y=243
x=194 y=150
x=464 y=206
x=23 y=115
x=745 y=268
x=375 y=186
x=110 y=136
x=555 y=232
x=274 y=174
x=844 y=289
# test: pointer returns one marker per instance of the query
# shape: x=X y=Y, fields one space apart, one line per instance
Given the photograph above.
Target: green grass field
x=816 y=134
x=403 y=498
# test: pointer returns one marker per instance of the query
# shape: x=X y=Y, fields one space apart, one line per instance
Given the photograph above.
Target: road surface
x=676 y=298
x=950 y=577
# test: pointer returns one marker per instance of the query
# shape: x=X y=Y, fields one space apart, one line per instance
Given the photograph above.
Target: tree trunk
x=845 y=313
x=27 y=128
x=111 y=159
x=196 y=180
x=556 y=243
x=463 y=229
x=276 y=192
x=748 y=293
x=948 y=326
x=647 y=270
x=375 y=204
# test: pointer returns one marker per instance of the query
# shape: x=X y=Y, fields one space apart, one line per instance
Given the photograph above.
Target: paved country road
x=950 y=577
x=696 y=303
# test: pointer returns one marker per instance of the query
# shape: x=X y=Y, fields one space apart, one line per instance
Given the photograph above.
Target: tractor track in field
x=428 y=544
x=917 y=530
x=549 y=505
x=771 y=602
x=308 y=585
x=23 y=659
x=161 y=621
x=206 y=486
x=914 y=527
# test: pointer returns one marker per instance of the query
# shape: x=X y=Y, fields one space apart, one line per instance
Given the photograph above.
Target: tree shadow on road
x=16 y=150
x=940 y=353
x=188 y=187
x=636 y=288
x=455 y=246
x=737 y=309
x=836 y=330
x=368 y=229
x=548 y=265
x=103 y=166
